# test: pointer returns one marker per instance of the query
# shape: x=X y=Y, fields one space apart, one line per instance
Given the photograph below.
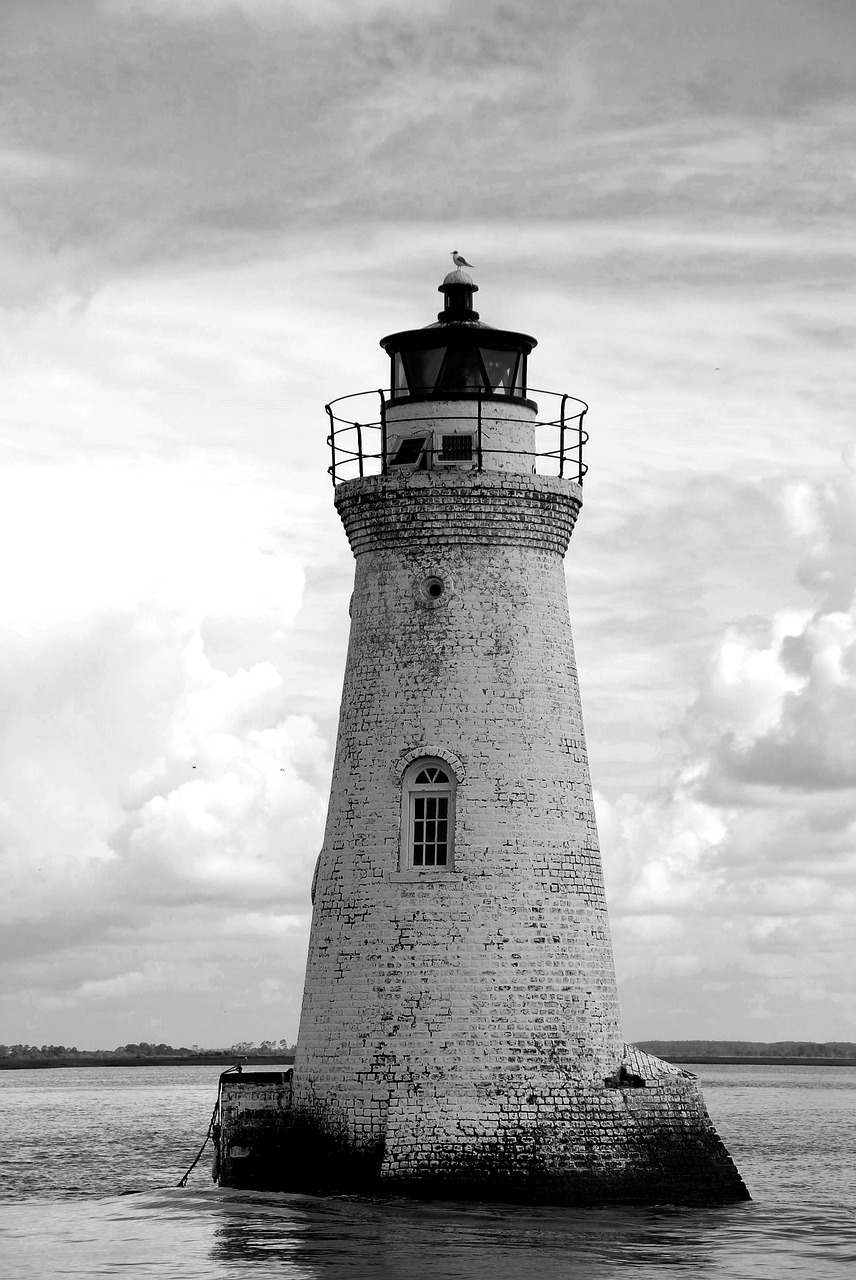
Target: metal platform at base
x=250 y=1131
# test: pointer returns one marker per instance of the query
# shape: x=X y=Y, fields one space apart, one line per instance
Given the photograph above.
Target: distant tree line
x=684 y=1049
x=244 y=1048
x=748 y=1048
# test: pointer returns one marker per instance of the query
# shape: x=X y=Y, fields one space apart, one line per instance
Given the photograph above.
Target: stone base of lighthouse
x=641 y=1136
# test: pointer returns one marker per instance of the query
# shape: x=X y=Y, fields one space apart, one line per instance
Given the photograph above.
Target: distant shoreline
x=267 y=1060
x=186 y=1060
x=708 y=1060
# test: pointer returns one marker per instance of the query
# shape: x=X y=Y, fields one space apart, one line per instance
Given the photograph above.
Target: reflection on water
x=216 y=1234
x=401 y=1239
x=73 y=1140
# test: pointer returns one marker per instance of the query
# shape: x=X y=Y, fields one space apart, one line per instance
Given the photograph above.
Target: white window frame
x=410 y=792
x=425 y=457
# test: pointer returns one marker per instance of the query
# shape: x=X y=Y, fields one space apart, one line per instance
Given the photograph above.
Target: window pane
x=430 y=807
x=409 y=451
x=500 y=367
x=462 y=370
x=399 y=377
x=423 y=367
x=425 y=777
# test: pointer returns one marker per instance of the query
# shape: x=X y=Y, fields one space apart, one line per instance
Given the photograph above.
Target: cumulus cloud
x=229 y=809
x=811 y=743
x=233 y=807
x=190 y=880
x=740 y=869
x=780 y=711
x=143 y=774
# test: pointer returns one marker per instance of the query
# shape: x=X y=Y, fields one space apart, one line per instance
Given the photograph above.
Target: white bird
x=458 y=260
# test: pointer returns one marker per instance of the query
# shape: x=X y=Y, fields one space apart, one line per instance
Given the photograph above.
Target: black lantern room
x=459 y=356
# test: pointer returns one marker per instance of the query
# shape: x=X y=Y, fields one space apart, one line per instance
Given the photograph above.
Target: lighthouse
x=460 y=1033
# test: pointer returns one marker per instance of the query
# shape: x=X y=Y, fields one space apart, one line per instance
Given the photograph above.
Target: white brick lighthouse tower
x=460 y=1029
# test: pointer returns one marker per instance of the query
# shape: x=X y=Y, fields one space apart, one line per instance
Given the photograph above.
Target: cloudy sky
x=210 y=210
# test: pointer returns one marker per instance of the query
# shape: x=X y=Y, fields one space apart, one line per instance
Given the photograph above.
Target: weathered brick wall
x=253 y=1127
x=460 y=1026
x=428 y=512
x=580 y=1142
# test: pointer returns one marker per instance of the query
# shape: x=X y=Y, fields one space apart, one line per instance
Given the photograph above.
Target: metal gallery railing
x=362 y=448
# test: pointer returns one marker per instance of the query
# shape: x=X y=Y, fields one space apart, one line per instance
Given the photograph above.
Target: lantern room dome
x=459 y=277
x=458 y=355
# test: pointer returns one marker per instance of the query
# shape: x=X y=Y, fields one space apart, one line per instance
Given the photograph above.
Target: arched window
x=428 y=814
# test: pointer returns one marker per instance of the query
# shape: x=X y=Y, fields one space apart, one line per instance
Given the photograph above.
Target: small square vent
x=456 y=449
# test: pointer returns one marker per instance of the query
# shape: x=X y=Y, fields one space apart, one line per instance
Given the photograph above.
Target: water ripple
x=91 y=1159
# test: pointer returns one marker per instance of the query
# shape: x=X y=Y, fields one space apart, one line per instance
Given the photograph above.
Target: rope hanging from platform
x=213 y=1131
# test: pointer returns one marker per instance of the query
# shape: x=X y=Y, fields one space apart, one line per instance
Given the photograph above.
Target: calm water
x=89 y=1159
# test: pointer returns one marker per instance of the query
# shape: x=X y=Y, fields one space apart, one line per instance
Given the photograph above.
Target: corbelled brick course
x=429 y=509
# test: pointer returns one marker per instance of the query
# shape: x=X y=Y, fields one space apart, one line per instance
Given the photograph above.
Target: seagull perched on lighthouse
x=459 y=260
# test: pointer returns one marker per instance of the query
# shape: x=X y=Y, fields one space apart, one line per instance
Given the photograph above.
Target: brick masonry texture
x=253 y=1128
x=460 y=1028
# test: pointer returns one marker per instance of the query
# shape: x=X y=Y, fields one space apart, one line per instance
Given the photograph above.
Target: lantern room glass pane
x=423 y=367
x=399 y=377
x=501 y=369
x=458 y=299
x=462 y=370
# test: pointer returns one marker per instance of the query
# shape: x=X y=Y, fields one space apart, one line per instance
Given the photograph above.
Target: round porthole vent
x=432 y=591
